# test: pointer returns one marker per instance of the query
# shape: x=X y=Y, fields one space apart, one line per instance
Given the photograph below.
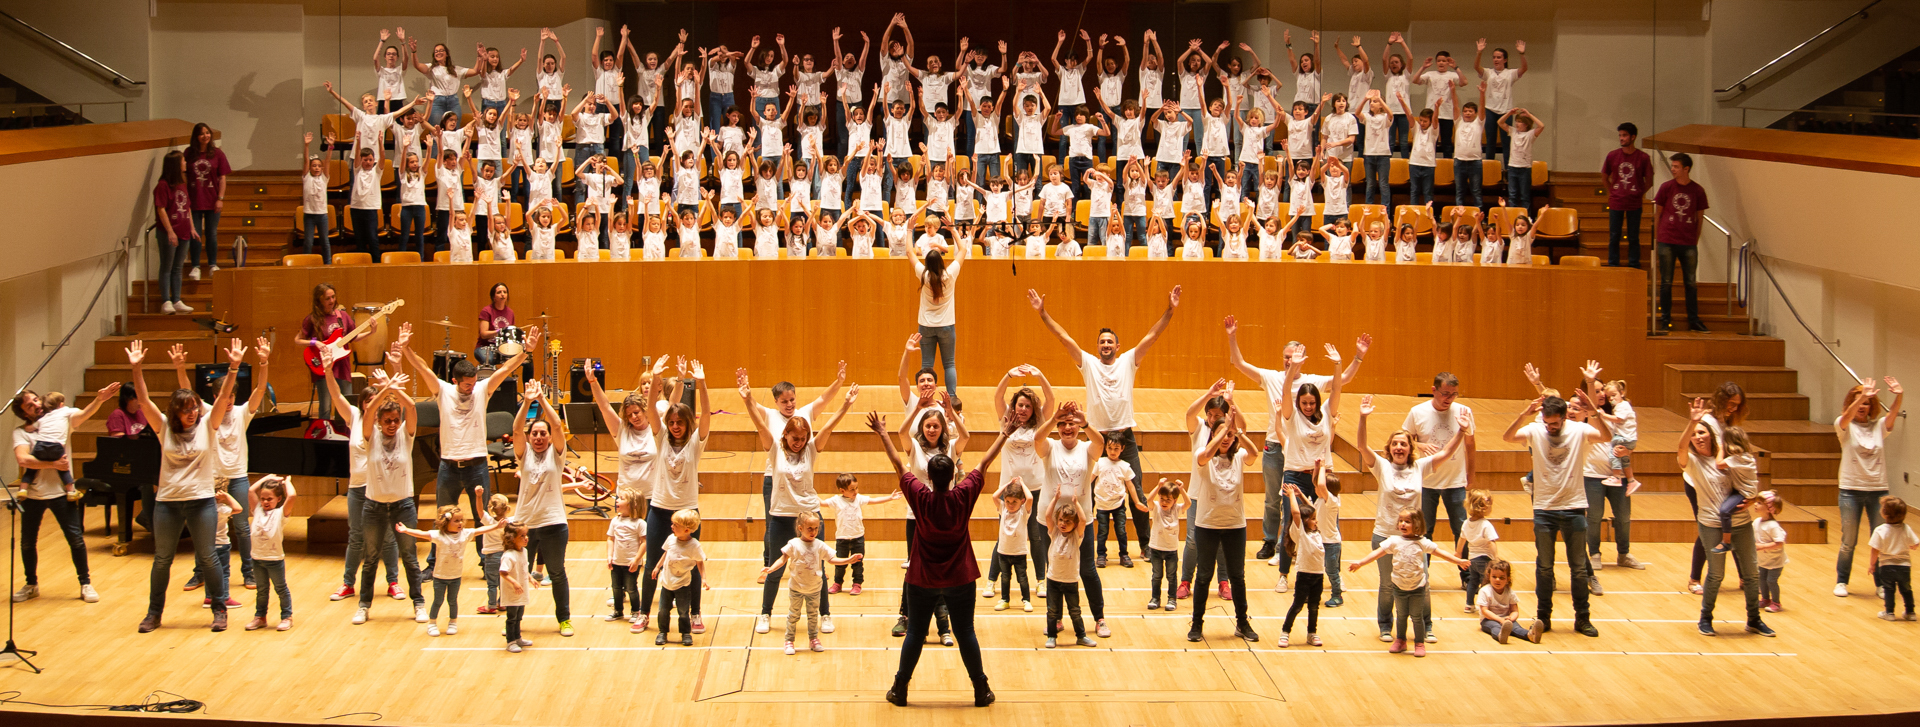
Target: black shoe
x=897 y=696
x=1585 y=628
x=1706 y=628
x=1546 y=624
x=1266 y=551
x=1757 y=626
x=1245 y=630
x=1664 y=324
x=1697 y=326
x=660 y=639
x=982 y=695
x=686 y=639
x=1125 y=562
x=1100 y=561
x=1193 y=634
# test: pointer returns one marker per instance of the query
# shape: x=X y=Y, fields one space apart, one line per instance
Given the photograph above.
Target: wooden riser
x=1752 y=379
x=1777 y=407
x=1806 y=465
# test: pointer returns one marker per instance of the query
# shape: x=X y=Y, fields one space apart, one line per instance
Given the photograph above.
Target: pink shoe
x=833 y=588
x=1419 y=649
x=855 y=590
x=1399 y=646
x=699 y=625
x=1226 y=591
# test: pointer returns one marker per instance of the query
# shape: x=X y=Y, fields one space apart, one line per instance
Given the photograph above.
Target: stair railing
x=1740 y=86
x=119 y=79
x=1750 y=260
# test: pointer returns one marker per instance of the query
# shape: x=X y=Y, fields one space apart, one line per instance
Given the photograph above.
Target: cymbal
x=444 y=323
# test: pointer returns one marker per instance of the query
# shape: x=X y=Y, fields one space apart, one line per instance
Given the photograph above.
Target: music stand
x=584 y=418
x=12 y=652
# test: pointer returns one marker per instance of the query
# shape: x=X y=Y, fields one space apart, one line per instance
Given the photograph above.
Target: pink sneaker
x=1399 y=646
x=1185 y=592
x=1226 y=591
x=1419 y=649
x=834 y=588
x=855 y=590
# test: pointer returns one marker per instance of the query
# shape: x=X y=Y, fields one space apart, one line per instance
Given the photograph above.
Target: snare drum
x=511 y=341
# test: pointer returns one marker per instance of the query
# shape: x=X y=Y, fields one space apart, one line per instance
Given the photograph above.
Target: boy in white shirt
x=850 y=529
x=1078 y=138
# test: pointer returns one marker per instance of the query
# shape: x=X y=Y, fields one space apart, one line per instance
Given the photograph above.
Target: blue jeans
x=1745 y=561
x=1077 y=176
x=1333 y=567
x=1492 y=628
x=1495 y=140
x=1117 y=517
x=445 y=591
x=272 y=573
x=172 y=258
x=208 y=223
x=1400 y=137
x=490 y=565
x=717 y=105
x=1456 y=502
x=1599 y=496
x=378 y=519
x=1520 y=187
x=67 y=516
x=582 y=151
x=498 y=106
x=1571 y=526
x=1419 y=185
x=1852 y=504
x=1383 y=606
x=1378 y=190
x=1409 y=605
x=316 y=229
x=1466 y=183
x=199 y=518
x=413 y=230
x=985 y=167
x=1215 y=165
x=779 y=531
x=1196 y=127
x=941 y=337
x=442 y=105
x=1136 y=228
x=238 y=532
x=457 y=478
x=357 y=542
x=1274 y=508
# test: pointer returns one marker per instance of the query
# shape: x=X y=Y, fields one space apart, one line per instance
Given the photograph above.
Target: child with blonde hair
x=626 y=533
x=1066 y=525
x=1479 y=540
x=450 y=536
x=807 y=554
x=492 y=545
x=1409 y=581
x=517 y=583
x=680 y=557
x=1889 y=555
x=1112 y=493
x=1625 y=425
x=1770 y=542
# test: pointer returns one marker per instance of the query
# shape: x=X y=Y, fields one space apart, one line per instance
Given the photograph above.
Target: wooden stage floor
x=1832 y=655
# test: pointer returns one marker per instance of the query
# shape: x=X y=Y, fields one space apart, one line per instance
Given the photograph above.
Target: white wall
x=39 y=307
x=238 y=68
x=1746 y=34
x=112 y=31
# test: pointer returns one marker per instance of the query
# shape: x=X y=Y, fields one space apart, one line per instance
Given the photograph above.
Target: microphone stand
x=13 y=652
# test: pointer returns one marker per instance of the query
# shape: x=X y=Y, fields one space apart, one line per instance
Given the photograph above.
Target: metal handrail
x=1741 y=85
x=1747 y=253
x=119 y=78
x=120 y=259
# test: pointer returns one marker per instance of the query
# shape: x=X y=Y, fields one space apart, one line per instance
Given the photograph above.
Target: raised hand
x=1173 y=298
x=1533 y=374
x=405 y=335
x=1003 y=47
x=329 y=354
x=1894 y=387
x=1366 y=405
x=1038 y=301
x=533 y=337
x=1333 y=354
x=1395 y=37
x=853 y=393
x=1231 y=323
x=1520 y=46
x=384 y=35
x=1480 y=44
x=534 y=389
x=1084 y=35
x=262 y=348
x=1286 y=37
x=877 y=423
x=1465 y=419
x=236 y=353
x=1314 y=36
x=699 y=372
x=1591 y=371
x=178 y=354
x=1061 y=36
x=913 y=342
x=740 y=379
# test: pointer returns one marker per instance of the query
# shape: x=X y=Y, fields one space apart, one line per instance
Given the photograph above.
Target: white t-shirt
x=720 y=76
x=1109 y=390
x=1437 y=83
x=1357 y=86
x=1173 y=140
x=1895 y=543
x=1466 y=141
x=52 y=427
x=847 y=81
x=186 y=462
x=979 y=81
x=1399 y=489
x=793 y=491
x=1111 y=480
x=679 y=485
x=1063 y=556
x=463 y=421
x=1436 y=427
x=1629 y=426
x=805 y=562
x=513 y=566
x=1409 y=560
x=933 y=89
x=1306 y=86
x=639 y=454
x=390 y=466
x=1557 y=483
x=625 y=535
x=1423 y=144
x=849 y=516
x=1500 y=89
x=1863 y=457
x=230 y=441
x=1073 y=90
x=1218 y=493
x=265 y=529
x=540 y=497
x=313 y=193
x=1480 y=536
x=935 y=313
x=1497 y=603
x=1768 y=532
x=1012 y=531
x=450 y=558
x=1164 y=535
x=1309 y=548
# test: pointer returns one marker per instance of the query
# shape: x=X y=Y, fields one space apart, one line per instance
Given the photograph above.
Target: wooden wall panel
x=795 y=320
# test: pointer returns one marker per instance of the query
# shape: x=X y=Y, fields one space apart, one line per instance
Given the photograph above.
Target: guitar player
x=326 y=319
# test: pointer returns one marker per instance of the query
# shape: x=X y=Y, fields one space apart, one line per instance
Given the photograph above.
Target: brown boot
x=151 y=622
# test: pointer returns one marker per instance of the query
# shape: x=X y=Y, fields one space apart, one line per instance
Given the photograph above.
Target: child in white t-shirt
x=1889 y=556
x=1500 y=609
x=626 y=540
x=1409 y=581
x=492 y=545
x=1011 y=547
x=1770 y=544
x=1163 y=539
x=850 y=529
x=806 y=553
x=516 y=582
x=1112 y=495
x=1480 y=541
x=266 y=526
x=1625 y=425
x=1066 y=525
x=450 y=536
x=1310 y=562
x=680 y=557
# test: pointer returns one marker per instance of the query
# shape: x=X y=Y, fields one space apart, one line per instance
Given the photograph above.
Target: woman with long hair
x=683 y=440
x=1862 y=428
x=326 y=317
x=937 y=278
x=173 y=210
x=207 y=171
x=1027 y=411
x=1700 y=452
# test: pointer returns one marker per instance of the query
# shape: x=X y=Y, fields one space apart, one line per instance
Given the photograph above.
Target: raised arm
x=1159 y=326
x=1899 y=398
x=1039 y=303
x=1360 y=437
x=1512 y=435
x=825 y=433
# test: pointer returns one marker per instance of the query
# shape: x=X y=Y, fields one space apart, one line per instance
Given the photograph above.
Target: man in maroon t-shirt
x=493 y=317
x=1629 y=172
x=1677 y=211
x=943 y=561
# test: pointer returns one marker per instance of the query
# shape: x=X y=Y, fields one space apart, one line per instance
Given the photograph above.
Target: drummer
x=326 y=318
x=495 y=315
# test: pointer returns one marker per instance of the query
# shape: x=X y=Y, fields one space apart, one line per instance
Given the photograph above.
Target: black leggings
x=1010 y=566
x=1306 y=594
x=1211 y=543
x=659 y=526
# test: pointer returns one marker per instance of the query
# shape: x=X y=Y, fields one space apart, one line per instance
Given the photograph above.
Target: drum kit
x=446 y=357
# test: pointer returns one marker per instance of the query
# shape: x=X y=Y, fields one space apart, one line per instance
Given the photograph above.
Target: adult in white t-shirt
x=42 y=489
x=230 y=451
x=357 y=418
x=1109 y=381
x=1862 y=428
x=1700 y=453
x=463 y=421
x=937 y=278
x=785 y=398
x=1559 y=498
x=792 y=451
x=388 y=440
x=542 y=453
x=1499 y=80
x=1402 y=475
x=183 y=498
x=1433 y=423
x=1220 y=518
x=1276 y=512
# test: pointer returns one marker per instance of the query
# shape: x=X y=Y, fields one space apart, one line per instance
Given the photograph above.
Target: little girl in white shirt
x=1405 y=244
x=1376 y=242
x=620 y=238
x=586 y=235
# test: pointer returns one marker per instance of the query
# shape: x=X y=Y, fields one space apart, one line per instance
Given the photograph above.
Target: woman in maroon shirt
x=943 y=562
x=207 y=171
x=173 y=210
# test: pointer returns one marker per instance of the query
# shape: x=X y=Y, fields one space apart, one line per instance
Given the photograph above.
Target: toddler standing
x=625 y=534
x=516 y=582
x=1112 y=492
x=1067 y=524
x=1010 y=549
x=269 y=497
x=850 y=529
x=806 y=554
x=680 y=557
x=1309 y=566
x=1479 y=540
x=492 y=545
x=1163 y=541
x=450 y=536
x=1409 y=582
x=1889 y=553
x=1770 y=542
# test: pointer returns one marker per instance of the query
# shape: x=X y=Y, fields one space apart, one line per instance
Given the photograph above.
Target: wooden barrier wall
x=795 y=320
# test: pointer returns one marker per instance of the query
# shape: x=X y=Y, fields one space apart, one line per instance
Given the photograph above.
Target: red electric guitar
x=339 y=339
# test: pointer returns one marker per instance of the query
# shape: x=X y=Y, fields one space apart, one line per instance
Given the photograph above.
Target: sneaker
x=192 y=584
x=1226 y=591
x=762 y=624
x=179 y=307
x=660 y=639
x=1698 y=327
x=1280 y=587
x=1153 y=605
x=1041 y=592
x=1026 y=605
x=1840 y=589
x=814 y=646
x=988 y=592
x=1585 y=628
x=433 y=630
x=1193 y=634
x=1888 y=616
x=1626 y=560
x=525 y=642
x=1694 y=588
x=1313 y=640
x=1909 y=617
x=1283 y=641
x=1171 y=605
x=420 y=614
x=1100 y=629
x=193 y=273
x=219 y=621
x=636 y=628
x=1419 y=650
x=513 y=647
x=26 y=593
x=566 y=628
x=1594 y=561
x=1545 y=624
x=359 y=616
x=166 y=306
x=1611 y=482
x=393 y=592
x=612 y=617
x=250 y=585
x=1274 y=560
x=686 y=639
x=609 y=602
x=826 y=625
x=1536 y=631
x=904 y=564
x=87 y=593
x=545 y=579
x=699 y=624
x=286 y=624
x=1084 y=641
x=855 y=590
x=1265 y=552
x=1125 y=562
x=487 y=610
x=1386 y=636
x=1052 y=642
x=899 y=628
x=1471 y=609
x=1432 y=638
x=835 y=588
x=1706 y=628
x=1773 y=607
x=789 y=650
x=946 y=639
x=1244 y=630
x=1335 y=602
x=1001 y=606
x=1505 y=632
x=1185 y=592
x=258 y=622
x=346 y=592
x=1399 y=647
x=1757 y=626
x=640 y=623
x=206 y=603
x=451 y=628
x=1593 y=586
x=1100 y=561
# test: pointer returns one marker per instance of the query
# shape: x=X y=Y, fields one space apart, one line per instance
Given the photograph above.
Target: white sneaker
x=179 y=307
x=359 y=616
x=513 y=647
x=1026 y=606
x=1839 y=589
x=1040 y=592
x=451 y=629
x=1888 y=616
x=1001 y=606
x=988 y=592
x=420 y=615
x=166 y=307
x=1594 y=560
x=762 y=624
x=904 y=564
x=433 y=630
x=525 y=642
x=193 y=273
x=26 y=593
x=88 y=594
x=1281 y=587
x=1433 y=638
x=1275 y=560
x=213 y=270
x=826 y=624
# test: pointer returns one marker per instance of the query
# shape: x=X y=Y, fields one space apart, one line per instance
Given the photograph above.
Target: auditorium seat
x=1397 y=174
x=301 y=260
x=1580 y=261
x=443 y=256
x=1420 y=216
x=1442 y=173
x=486 y=256
x=881 y=253
x=1541 y=260
x=1558 y=224
x=1138 y=252
x=352 y=258
x=1452 y=214
x=1422 y=258
x=339 y=176
x=404 y=256
x=1503 y=218
x=1094 y=251
x=1493 y=174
